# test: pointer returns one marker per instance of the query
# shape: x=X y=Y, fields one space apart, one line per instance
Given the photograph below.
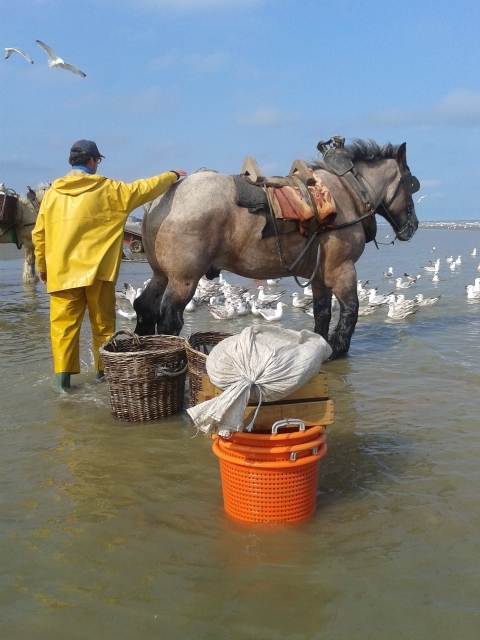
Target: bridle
x=410 y=186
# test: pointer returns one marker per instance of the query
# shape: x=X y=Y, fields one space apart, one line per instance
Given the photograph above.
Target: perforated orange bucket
x=271 y=491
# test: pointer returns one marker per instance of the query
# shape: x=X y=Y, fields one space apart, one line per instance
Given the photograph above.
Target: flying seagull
x=10 y=50
x=422 y=197
x=54 y=61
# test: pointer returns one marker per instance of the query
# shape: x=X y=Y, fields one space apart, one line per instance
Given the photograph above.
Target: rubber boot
x=100 y=375
x=62 y=380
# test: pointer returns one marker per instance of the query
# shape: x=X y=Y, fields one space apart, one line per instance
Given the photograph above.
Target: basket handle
x=125 y=332
x=287 y=422
x=293 y=454
x=164 y=373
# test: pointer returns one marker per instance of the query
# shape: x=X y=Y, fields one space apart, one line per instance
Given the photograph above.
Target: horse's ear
x=402 y=154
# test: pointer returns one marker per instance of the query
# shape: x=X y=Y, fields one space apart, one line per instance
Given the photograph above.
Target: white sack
x=271 y=361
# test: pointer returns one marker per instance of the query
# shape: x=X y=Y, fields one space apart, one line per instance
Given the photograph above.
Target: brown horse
x=196 y=228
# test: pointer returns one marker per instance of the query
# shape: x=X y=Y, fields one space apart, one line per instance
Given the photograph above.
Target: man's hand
x=180 y=173
x=42 y=276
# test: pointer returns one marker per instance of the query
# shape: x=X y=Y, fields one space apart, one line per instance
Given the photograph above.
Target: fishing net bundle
x=263 y=363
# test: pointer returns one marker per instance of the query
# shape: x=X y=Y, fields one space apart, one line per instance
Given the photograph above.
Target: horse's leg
x=345 y=289
x=147 y=305
x=341 y=336
x=322 y=308
x=29 y=276
x=177 y=295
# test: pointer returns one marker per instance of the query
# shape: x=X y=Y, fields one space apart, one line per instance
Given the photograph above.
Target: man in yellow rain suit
x=78 y=239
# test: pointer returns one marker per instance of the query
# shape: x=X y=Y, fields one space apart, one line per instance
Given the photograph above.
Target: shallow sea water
x=111 y=530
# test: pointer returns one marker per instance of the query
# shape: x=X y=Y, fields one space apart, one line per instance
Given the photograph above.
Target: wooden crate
x=310 y=403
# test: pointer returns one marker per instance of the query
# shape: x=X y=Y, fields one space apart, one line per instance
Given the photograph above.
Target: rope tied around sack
x=249 y=426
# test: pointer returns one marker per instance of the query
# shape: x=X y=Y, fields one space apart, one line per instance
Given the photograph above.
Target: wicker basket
x=198 y=346
x=145 y=375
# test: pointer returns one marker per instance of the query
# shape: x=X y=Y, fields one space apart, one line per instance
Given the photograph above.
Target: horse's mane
x=40 y=190
x=366 y=150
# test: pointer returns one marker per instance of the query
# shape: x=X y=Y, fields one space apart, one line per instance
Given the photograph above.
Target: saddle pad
x=287 y=203
x=250 y=196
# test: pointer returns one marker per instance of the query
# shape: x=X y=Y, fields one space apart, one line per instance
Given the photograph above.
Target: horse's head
x=397 y=207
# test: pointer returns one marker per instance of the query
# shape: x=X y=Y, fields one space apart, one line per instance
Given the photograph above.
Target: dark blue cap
x=88 y=147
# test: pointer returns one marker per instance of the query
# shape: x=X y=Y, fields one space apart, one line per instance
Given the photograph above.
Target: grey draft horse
x=25 y=217
x=196 y=228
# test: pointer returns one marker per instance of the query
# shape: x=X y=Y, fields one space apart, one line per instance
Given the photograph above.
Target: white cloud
x=459 y=108
x=266 y=118
x=196 y=62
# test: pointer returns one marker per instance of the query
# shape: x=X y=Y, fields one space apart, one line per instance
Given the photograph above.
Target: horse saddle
x=295 y=198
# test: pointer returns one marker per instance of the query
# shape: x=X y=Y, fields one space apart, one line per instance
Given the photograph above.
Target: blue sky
x=192 y=83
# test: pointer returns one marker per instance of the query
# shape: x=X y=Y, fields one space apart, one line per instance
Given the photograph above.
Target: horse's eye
x=139 y=319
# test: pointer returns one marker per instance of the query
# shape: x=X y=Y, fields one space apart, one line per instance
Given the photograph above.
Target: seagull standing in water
x=301 y=303
x=54 y=61
x=420 y=301
x=273 y=314
x=404 y=285
x=262 y=297
x=10 y=50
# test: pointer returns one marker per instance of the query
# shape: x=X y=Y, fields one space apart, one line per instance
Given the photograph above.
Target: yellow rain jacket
x=78 y=236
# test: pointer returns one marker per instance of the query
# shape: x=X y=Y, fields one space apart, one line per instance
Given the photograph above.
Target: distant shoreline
x=452 y=224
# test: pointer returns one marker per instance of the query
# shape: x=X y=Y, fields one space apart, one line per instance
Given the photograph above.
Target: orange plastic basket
x=270 y=491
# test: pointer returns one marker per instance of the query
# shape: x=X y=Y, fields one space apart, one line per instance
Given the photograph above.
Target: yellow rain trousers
x=67 y=309
x=78 y=240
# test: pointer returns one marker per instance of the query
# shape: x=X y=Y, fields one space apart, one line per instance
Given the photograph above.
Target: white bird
x=123 y=306
x=478 y=268
x=301 y=303
x=458 y=260
x=374 y=299
x=130 y=292
x=476 y=286
x=222 y=312
x=400 y=304
x=449 y=259
x=54 y=61
x=399 y=313
x=366 y=311
x=308 y=312
x=307 y=291
x=432 y=249
x=422 y=197
x=262 y=297
x=433 y=267
x=253 y=306
x=435 y=277
x=473 y=252
x=453 y=266
x=471 y=293
x=388 y=273
x=404 y=285
x=425 y=302
x=410 y=277
x=273 y=314
x=243 y=308
x=276 y=280
x=10 y=50
x=191 y=306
